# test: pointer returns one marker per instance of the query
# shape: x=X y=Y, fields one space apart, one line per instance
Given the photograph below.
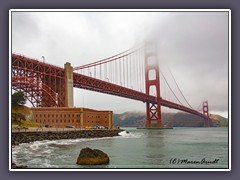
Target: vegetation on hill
x=219 y=120
x=21 y=116
x=131 y=119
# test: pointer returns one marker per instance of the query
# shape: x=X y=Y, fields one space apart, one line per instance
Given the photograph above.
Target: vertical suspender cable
x=123 y=72
x=100 y=72
x=127 y=69
x=95 y=71
x=138 y=67
x=117 y=72
x=130 y=70
x=114 y=72
x=141 y=78
x=120 y=71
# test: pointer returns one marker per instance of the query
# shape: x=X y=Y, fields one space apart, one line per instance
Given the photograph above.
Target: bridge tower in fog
x=205 y=112
x=153 y=109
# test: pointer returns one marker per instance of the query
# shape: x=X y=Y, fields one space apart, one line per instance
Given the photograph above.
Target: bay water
x=134 y=148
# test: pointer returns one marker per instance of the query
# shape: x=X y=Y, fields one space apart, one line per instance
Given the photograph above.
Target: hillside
x=219 y=120
x=131 y=119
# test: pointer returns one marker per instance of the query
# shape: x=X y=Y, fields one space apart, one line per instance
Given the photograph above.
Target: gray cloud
x=194 y=45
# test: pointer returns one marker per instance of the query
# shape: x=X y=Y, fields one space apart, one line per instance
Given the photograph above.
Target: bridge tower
x=153 y=110
x=69 y=84
x=205 y=112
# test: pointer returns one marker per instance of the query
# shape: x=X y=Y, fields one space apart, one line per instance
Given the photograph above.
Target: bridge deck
x=89 y=83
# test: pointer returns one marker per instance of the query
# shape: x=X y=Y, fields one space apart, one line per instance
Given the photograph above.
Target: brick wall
x=77 y=117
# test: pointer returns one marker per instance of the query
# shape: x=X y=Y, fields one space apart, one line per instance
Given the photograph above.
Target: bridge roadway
x=90 y=83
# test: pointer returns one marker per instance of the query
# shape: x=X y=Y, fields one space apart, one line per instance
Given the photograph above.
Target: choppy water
x=169 y=148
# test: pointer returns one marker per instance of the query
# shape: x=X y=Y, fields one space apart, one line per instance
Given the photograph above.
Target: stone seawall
x=26 y=137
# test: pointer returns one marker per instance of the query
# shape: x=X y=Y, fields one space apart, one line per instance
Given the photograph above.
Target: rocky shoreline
x=27 y=137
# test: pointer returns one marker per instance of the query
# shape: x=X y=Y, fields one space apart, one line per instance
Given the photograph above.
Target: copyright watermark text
x=188 y=161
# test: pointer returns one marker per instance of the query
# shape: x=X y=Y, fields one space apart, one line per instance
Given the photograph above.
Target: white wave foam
x=48 y=151
x=37 y=144
x=75 y=141
x=127 y=134
x=16 y=150
x=68 y=141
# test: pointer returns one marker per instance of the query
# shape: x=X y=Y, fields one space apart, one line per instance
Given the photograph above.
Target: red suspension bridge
x=131 y=74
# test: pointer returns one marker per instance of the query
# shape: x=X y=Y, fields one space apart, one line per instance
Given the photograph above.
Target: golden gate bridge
x=132 y=74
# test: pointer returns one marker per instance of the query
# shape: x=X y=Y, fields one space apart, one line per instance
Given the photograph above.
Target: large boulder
x=89 y=156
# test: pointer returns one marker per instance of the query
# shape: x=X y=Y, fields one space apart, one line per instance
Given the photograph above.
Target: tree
x=18 y=98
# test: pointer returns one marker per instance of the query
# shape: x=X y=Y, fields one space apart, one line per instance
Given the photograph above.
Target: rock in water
x=89 y=156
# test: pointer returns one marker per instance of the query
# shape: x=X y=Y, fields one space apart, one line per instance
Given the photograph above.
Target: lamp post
x=43 y=59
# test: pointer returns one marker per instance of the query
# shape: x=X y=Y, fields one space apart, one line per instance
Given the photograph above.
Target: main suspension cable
x=170 y=88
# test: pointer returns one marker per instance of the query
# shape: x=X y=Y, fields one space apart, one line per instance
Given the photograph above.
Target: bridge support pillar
x=154 y=116
x=205 y=112
x=68 y=85
x=153 y=110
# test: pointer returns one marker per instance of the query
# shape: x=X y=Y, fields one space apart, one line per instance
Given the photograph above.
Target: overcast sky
x=193 y=44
